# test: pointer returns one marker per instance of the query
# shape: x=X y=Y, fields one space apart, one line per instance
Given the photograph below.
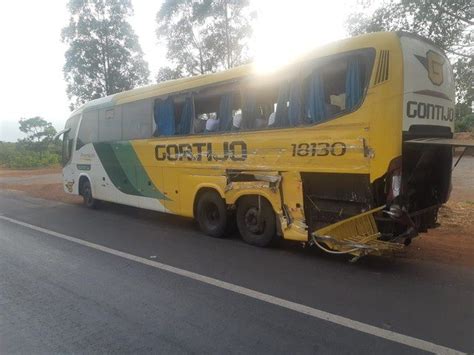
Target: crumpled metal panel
x=357 y=235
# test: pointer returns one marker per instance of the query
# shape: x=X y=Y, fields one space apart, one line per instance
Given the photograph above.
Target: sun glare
x=287 y=29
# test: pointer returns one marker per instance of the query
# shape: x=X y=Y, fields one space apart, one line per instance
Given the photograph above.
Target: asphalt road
x=66 y=296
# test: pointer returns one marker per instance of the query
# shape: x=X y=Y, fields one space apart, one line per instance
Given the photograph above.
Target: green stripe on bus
x=114 y=170
x=125 y=170
x=133 y=168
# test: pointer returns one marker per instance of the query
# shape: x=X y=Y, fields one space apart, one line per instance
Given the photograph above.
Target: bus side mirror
x=60 y=133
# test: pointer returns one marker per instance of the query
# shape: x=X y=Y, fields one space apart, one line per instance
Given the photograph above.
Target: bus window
x=228 y=114
x=259 y=106
x=110 y=124
x=184 y=111
x=199 y=123
x=332 y=81
x=317 y=87
x=217 y=109
x=88 y=131
x=164 y=116
x=236 y=119
x=334 y=88
x=355 y=81
x=137 y=120
x=66 y=149
x=206 y=107
x=271 y=107
x=68 y=139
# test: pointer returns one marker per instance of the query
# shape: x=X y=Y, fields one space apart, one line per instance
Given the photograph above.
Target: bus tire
x=256 y=229
x=212 y=214
x=86 y=191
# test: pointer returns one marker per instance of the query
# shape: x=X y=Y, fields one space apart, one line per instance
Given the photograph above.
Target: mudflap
x=357 y=236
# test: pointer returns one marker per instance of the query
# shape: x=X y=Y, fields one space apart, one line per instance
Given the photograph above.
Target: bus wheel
x=212 y=214
x=86 y=192
x=256 y=220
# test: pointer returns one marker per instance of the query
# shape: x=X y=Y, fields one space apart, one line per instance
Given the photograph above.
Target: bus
x=348 y=147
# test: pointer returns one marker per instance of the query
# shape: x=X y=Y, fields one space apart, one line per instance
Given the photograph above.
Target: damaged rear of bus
x=417 y=159
x=419 y=181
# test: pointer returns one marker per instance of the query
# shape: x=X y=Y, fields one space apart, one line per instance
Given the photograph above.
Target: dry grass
x=457 y=214
x=452 y=242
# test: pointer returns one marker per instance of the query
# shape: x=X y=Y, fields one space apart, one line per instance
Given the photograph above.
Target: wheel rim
x=253 y=222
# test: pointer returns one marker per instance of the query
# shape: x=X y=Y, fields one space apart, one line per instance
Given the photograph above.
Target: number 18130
x=319 y=149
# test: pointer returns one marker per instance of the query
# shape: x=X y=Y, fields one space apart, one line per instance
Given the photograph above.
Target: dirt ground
x=451 y=243
x=30 y=172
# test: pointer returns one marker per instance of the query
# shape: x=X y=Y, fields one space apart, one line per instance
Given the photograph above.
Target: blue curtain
x=225 y=113
x=187 y=115
x=164 y=117
x=353 y=83
x=249 y=110
x=294 y=109
x=315 y=104
x=281 y=114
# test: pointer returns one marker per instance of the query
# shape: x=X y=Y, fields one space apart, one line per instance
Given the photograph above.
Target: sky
x=32 y=54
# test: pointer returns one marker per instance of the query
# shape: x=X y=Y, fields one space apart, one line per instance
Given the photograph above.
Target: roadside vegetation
x=465 y=123
x=37 y=150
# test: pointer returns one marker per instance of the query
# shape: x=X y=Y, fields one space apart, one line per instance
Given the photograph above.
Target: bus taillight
x=394 y=180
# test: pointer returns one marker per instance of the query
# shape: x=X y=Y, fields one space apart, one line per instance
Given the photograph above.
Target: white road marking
x=297 y=307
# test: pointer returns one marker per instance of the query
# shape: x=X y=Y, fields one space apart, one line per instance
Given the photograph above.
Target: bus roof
x=186 y=84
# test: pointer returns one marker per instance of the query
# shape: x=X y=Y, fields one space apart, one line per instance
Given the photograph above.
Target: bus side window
x=110 y=124
x=355 y=82
x=66 y=149
x=316 y=107
x=184 y=114
x=334 y=87
x=236 y=119
x=217 y=109
x=164 y=116
x=229 y=111
x=199 y=123
x=68 y=138
x=249 y=109
x=259 y=106
x=206 y=118
x=266 y=105
x=333 y=84
x=88 y=131
x=136 y=120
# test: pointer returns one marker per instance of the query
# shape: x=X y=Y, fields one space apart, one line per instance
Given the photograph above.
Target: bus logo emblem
x=433 y=63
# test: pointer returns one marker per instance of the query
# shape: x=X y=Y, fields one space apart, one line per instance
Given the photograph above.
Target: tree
x=39 y=134
x=104 y=56
x=203 y=36
x=448 y=23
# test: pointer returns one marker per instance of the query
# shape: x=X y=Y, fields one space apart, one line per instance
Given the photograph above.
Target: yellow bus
x=331 y=150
